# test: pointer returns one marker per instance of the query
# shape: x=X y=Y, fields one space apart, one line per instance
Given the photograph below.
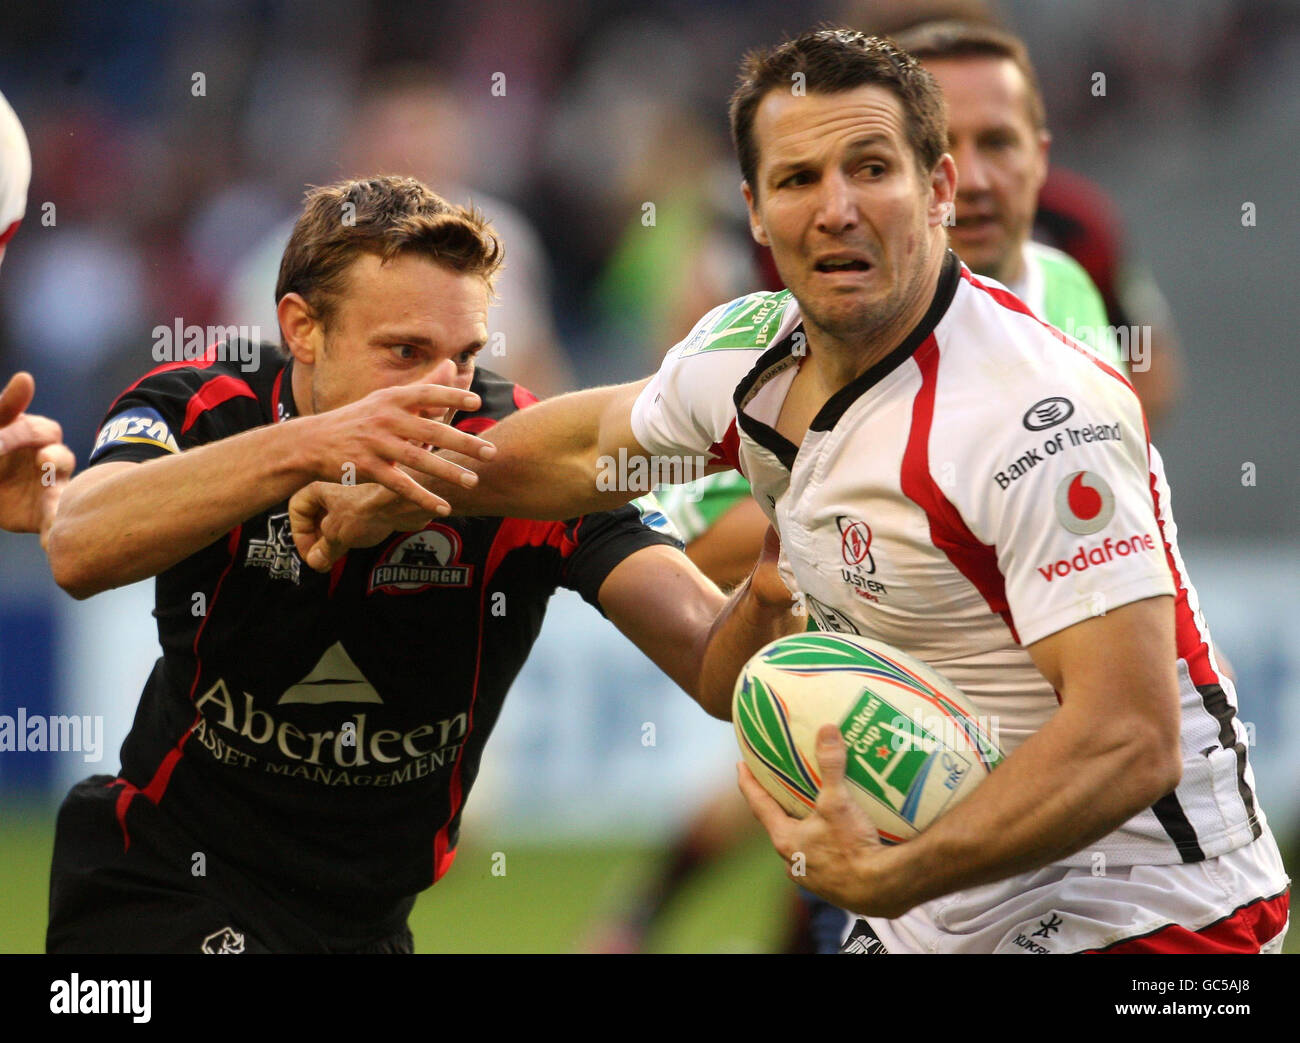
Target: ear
x=943 y=189
x=300 y=328
x=1044 y=157
x=756 y=228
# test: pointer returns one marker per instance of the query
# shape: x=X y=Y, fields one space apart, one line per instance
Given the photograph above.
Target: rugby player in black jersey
x=302 y=752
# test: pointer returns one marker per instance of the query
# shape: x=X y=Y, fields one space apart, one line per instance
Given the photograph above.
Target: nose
x=972 y=175
x=444 y=372
x=837 y=207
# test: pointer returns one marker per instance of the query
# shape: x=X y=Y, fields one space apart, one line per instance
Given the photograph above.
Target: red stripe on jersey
x=209 y=357
x=524 y=398
x=977 y=561
x=1245 y=931
x=8 y=233
x=513 y=533
x=275 y=397
x=1193 y=646
x=474 y=424
x=157 y=785
x=1014 y=303
x=727 y=451
x=212 y=394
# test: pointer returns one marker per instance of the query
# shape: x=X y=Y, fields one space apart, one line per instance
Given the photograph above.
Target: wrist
x=297 y=447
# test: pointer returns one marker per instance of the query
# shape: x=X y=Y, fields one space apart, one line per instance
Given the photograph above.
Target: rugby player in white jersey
x=1020 y=541
x=35 y=465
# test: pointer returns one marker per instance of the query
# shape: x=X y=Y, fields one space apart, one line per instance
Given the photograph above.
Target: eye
x=405 y=352
x=797 y=179
x=466 y=358
x=874 y=168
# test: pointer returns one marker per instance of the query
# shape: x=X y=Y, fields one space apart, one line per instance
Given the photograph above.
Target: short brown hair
x=933 y=41
x=833 y=60
x=385 y=216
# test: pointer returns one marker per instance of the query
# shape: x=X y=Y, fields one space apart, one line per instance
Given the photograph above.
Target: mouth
x=976 y=223
x=837 y=263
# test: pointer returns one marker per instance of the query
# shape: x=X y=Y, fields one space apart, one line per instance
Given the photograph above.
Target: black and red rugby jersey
x=323 y=731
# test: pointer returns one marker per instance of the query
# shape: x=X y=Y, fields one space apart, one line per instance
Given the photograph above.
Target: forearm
x=744 y=626
x=548 y=463
x=666 y=607
x=143 y=518
x=1068 y=785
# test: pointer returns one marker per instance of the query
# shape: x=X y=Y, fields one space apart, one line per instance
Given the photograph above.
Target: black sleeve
x=174 y=409
x=602 y=540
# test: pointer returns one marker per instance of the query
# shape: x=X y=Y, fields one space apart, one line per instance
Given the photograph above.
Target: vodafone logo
x=1084 y=503
x=1086 y=557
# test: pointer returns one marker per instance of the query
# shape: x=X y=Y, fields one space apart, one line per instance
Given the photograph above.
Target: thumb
x=833 y=799
x=16 y=397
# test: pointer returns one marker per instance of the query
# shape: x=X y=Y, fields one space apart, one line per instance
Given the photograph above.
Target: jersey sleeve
x=601 y=541
x=1063 y=492
x=171 y=410
x=687 y=407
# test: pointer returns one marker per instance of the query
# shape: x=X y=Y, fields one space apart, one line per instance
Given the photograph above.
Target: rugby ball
x=915 y=744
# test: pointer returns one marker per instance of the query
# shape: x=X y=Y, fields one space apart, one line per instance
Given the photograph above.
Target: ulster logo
x=420 y=560
x=1084 y=503
x=276 y=553
x=855 y=543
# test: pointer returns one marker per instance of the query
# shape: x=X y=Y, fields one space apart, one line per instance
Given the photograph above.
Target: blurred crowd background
x=172 y=143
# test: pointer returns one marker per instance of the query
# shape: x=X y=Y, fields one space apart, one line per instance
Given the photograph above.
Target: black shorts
x=166 y=892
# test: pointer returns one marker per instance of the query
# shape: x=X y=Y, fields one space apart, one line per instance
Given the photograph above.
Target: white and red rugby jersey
x=987 y=484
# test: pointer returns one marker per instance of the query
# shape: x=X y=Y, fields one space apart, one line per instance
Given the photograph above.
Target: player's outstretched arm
x=122 y=522
x=34 y=463
x=666 y=607
x=548 y=465
x=1111 y=750
x=759 y=611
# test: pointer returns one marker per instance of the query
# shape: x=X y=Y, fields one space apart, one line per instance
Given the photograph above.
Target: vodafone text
x=1107 y=551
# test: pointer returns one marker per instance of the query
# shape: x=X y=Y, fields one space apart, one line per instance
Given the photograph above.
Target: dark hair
x=385 y=216
x=953 y=39
x=833 y=60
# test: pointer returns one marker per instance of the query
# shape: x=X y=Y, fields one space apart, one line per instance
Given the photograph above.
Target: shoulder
x=240 y=365
x=752 y=322
x=996 y=356
x=176 y=404
x=500 y=398
x=1059 y=268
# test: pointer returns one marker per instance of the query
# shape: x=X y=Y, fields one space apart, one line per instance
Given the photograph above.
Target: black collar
x=838 y=403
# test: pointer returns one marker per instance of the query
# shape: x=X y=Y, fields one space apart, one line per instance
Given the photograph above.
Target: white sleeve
x=1067 y=504
x=688 y=405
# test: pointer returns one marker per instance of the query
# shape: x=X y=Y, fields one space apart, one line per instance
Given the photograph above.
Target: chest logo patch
x=859 y=564
x=420 y=560
x=276 y=553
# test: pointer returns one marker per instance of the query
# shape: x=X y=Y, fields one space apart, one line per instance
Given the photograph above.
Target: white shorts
x=1235 y=903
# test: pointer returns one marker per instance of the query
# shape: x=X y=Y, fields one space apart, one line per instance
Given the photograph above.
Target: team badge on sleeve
x=140 y=426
